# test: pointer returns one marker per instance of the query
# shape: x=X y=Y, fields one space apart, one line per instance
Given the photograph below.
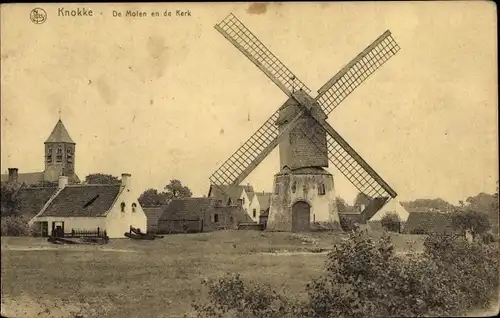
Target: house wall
x=75 y=223
x=254 y=204
x=245 y=202
x=118 y=222
x=322 y=207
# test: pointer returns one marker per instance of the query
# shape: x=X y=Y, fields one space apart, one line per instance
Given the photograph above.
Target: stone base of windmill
x=303 y=200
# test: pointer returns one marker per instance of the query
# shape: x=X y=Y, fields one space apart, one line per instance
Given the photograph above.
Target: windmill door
x=301 y=216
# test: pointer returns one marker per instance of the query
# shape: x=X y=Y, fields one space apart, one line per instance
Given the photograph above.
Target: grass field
x=160 y=278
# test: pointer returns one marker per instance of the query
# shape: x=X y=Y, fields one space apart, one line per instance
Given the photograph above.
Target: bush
x=15 y=226
x=347 y=224
x=391 y=222
x=364 y=278
x=476 y=222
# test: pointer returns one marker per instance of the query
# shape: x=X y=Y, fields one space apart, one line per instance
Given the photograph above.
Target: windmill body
x=304 y=192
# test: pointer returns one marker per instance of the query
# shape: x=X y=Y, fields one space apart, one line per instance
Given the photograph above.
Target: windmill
x=303 y=189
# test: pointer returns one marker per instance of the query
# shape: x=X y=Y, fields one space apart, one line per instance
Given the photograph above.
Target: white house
x=113 y=208
x=254 y=208
x=227 y=195
x=393 y=206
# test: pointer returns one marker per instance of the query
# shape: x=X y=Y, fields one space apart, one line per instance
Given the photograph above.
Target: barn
x=191 y=215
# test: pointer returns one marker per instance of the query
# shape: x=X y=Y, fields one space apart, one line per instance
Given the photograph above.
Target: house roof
x=226 y=192
x=83 y=201
x=32 y=200
x=237 y=212
x=184 y=209
x=153 y=213
x=29 y=178
x=264 y=200
x=429 y=221
x=60 y=134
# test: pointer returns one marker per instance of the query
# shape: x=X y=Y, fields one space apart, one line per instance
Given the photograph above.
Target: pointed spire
x=60 y=134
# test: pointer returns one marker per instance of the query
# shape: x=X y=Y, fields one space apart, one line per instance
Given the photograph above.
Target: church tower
x=60 y=155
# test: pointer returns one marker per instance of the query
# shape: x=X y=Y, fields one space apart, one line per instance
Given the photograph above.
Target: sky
x=170 y=97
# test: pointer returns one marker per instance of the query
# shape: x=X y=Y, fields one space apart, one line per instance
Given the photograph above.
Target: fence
x=76 y=233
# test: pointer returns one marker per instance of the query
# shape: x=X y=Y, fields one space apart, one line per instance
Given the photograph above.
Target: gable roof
x=393 y=206
x=264 y=200
x=60 y=134
x=32 y=200
x=82 y=201
x=29 y=178
x=153 y=214
x=226 y=192
x=429 y=221
x=184 y=209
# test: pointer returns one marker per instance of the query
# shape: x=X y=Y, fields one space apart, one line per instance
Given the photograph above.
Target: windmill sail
x=244 y=40
x=241 y=163
x=353 y=166
x=356 y=72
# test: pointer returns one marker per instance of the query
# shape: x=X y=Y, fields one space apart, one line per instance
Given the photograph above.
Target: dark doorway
x=44 y=226
x=301 y=216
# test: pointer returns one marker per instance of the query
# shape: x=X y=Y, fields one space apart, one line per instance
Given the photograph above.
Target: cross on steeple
x=60 y=112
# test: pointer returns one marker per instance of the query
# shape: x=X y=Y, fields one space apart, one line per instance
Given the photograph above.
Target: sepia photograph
x=265 y=159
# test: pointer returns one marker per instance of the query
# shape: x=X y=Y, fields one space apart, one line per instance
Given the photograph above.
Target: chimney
x=126 y=179
x=62 y=182
x=13 y=176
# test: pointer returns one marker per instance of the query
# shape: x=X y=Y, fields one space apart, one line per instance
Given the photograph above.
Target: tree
x=100 y=178
x=151 y=197
x=361 y=199
x=469 y=220
x=9 y=199
x=341 y=204
x=391 y=222
x=175 y=190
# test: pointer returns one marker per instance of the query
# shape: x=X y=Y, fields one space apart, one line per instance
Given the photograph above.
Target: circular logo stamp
x=38 y=16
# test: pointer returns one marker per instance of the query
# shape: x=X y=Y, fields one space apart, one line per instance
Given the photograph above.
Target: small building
x=191 y=215
x=231 y=195
x=153 y=214
x=393 y=207
x=110 y=208
x=428 y=222
x=259 y=205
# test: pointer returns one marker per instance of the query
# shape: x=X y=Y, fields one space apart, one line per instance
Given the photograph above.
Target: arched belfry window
x=122 y=205
x=69 y=155
x=294 y=187
x=49 y=154
x=133 y=207
x=59 y=154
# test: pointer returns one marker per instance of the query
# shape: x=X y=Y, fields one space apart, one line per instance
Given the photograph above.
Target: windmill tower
x=304 y=191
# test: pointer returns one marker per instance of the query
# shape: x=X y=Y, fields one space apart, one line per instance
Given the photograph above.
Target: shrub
x=476 y=222
x=366 y=278
x=347 y=224
x=15 y=226
x=230 y=296
x=391 y=222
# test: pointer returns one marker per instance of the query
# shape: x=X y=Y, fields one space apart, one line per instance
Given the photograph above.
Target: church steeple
x=59 y=154
x=59 y=134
